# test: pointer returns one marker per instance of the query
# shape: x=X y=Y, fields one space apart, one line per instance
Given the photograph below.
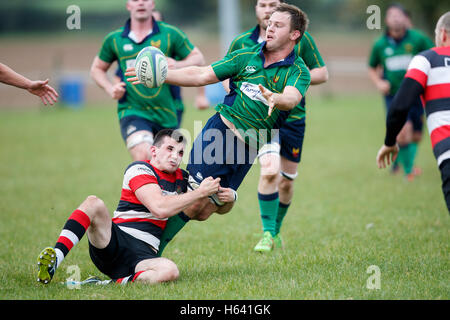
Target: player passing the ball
x=428 y=76
x=125 y=248
x=266 y=82
x=279 y=159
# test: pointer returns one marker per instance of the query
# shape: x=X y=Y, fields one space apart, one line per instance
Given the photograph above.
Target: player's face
x=263 y=10
x=278 y=33
x=168 y=156
x=396 y=19
x=140 y=9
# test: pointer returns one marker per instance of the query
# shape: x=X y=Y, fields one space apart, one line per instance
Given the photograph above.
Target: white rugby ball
x=151 y=67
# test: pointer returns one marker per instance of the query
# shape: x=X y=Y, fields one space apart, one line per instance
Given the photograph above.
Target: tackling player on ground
x=125 y=248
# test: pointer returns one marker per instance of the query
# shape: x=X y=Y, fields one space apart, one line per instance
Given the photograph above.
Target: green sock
x=403 y=157
x=174 y=224
x=282 y=210
x=408 y=161
x=413 y=146
x=268 y=205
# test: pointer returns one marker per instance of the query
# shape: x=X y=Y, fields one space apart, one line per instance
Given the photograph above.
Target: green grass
x=346 y=214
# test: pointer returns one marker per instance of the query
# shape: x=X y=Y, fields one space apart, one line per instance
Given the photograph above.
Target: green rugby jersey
x=155 y=104
x=245 y=106
x=395 y=56
x=306 y=49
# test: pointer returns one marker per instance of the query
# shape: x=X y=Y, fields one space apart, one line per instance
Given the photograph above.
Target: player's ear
x=295 y=35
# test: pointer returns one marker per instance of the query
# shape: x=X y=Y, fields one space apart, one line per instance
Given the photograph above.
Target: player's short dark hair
x=256 y=1
x=400 y=7
x=172 y=133
x=299 y=19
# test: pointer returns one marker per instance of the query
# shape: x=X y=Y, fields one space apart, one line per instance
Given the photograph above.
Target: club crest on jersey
x=156 y=44
x=389 y=51
x=275 y=79
x=250 y=69
x=128 y=47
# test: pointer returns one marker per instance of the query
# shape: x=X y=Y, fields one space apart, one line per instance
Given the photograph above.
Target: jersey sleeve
x=308 y=51
x=108 y=51
x=418 y=70
x=374 y=58
x=299 y=78
x=137 y=175
x=231 y=64
x=182 y=46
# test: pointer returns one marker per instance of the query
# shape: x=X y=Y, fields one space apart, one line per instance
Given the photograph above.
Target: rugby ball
x=151 y=67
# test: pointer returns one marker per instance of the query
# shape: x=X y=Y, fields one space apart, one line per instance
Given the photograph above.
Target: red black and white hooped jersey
x=431 y=69
x=131 y=215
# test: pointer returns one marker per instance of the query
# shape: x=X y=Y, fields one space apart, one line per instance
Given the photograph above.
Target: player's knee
x=93 y=206
x=168 y=271
x=286 y=185
x=141 y=152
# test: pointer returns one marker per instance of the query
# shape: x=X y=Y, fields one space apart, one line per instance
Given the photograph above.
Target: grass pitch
x=345 y=217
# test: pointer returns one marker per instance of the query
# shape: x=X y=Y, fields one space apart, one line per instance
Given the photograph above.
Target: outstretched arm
x=409 y=92
x=39 y=88
x=186 y=77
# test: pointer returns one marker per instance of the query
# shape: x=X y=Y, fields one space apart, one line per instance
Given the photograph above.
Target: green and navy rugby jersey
x=306 y=49
x=395 y=55
x=245 y=105
x=158 y=105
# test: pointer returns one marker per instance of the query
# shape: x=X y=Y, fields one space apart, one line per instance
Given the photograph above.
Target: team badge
x=295 y=152
x=156 y=44
x=275 y=79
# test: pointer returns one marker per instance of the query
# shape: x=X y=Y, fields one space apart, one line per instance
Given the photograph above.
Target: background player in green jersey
x=275 y=190
x=266 y=81
x=388 y=62
x=143 y=111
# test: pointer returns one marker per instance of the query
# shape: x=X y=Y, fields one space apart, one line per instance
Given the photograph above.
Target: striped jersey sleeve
x=431 y=69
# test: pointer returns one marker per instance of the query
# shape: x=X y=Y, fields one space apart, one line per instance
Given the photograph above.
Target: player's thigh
x=99 y=231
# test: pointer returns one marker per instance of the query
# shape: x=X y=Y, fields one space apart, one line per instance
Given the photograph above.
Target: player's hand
x=171 y=63
x=44 y=91
x=117 y=90
x=226 y=194
x=209 y=186
x=384 y=87
x=386 y=155
x=131 y=72
x=268 y=95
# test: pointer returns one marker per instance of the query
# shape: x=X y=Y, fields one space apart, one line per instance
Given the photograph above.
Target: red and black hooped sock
x=125 y=280
x=72 y=232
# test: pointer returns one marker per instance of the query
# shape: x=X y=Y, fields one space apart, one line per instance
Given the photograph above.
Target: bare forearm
x=319 y=75
x=9 y=76
x=172 y=205
x=194 y=59
x=285 y=102
x=100 y=77
x=191 y=77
